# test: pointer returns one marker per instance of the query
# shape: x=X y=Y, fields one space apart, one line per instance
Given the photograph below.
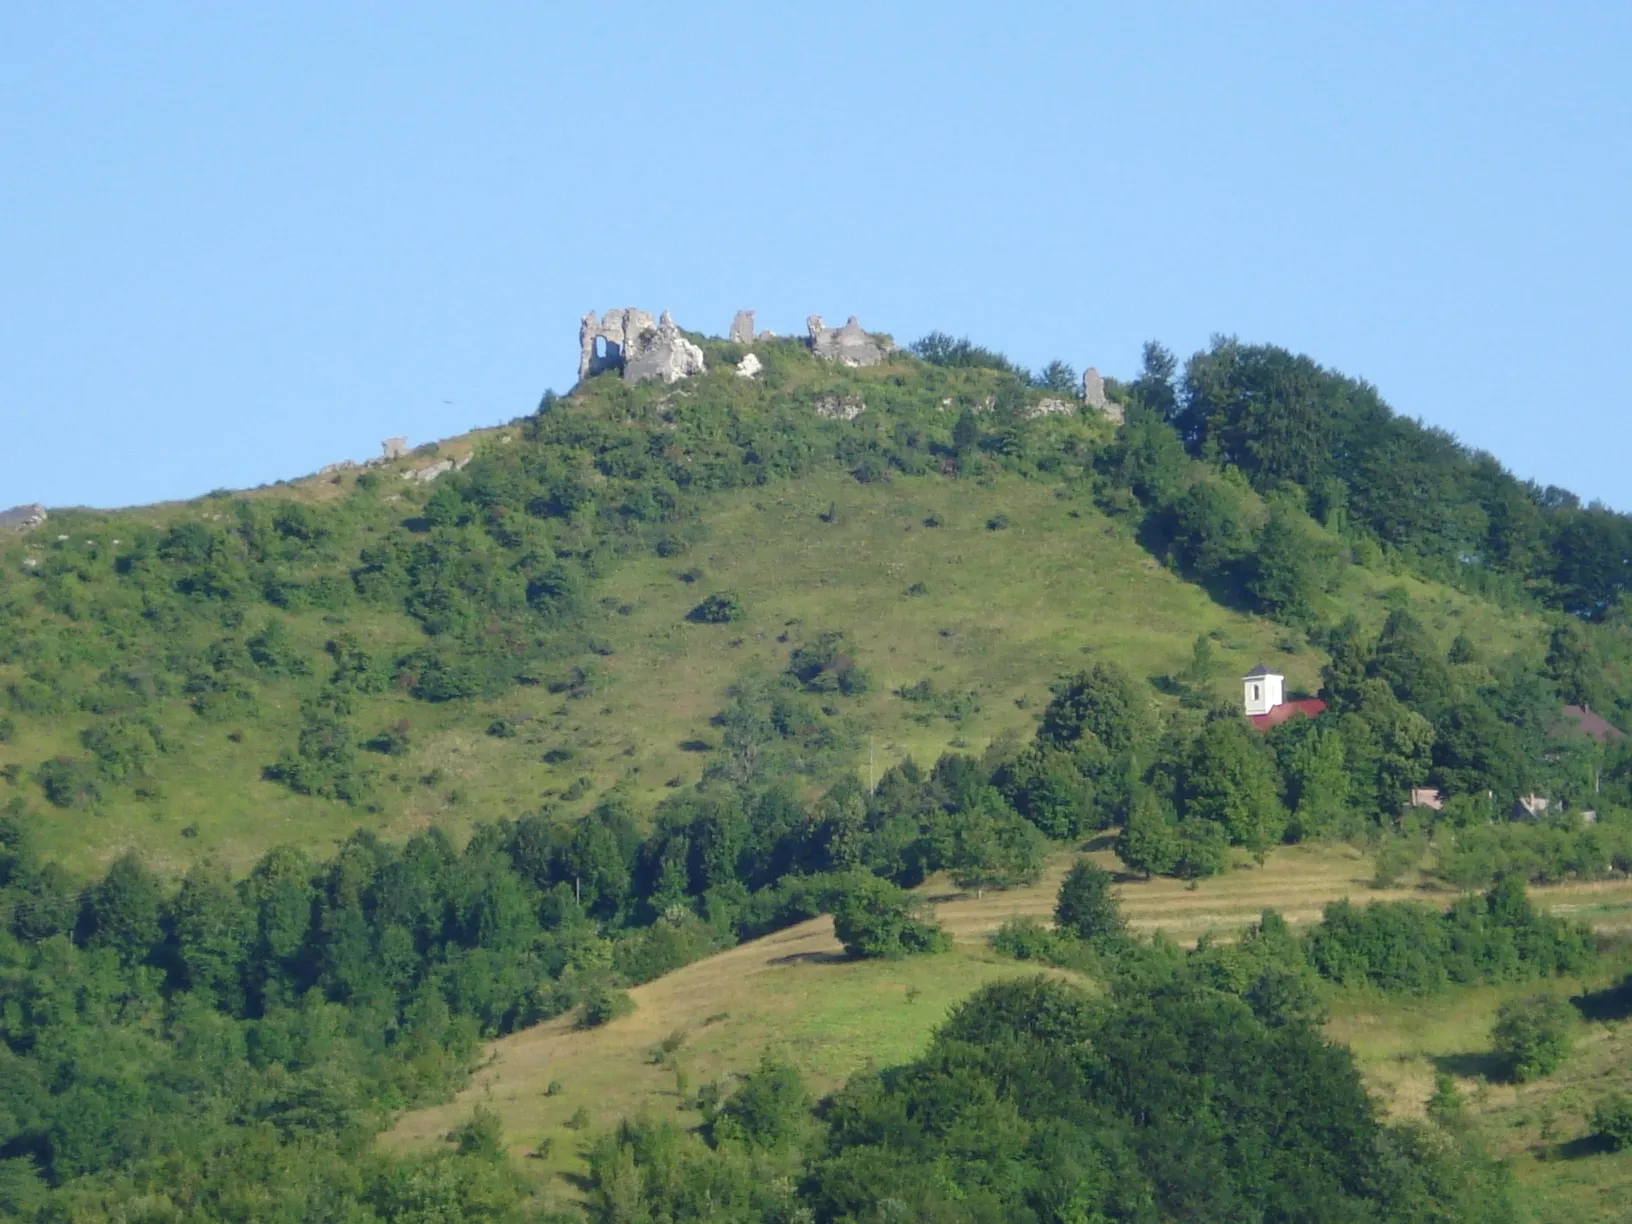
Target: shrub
x=826 y=666
x=1612 y=1121
x=720 y=608
x=874 y=918
x=603 y=1004
x=1533 y=1035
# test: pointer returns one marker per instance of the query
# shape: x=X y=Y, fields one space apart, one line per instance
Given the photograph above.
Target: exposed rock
x=394 y=448
x=834 y=407
x=23 y=518
x=661 y=353
x=329 y=469
x=742 y=328
x=848 y=345
x=31 y=562
x=1093 y=395
x=748 y=366
x=427 y=474
x=1049 y=407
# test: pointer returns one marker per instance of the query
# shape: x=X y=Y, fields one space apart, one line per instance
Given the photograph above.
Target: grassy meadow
x=796 y=996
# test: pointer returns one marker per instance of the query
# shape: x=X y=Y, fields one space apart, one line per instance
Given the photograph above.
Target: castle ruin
x=848 y=345
x=642 y=348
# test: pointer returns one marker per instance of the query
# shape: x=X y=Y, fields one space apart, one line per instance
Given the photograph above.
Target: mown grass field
x=794 y=995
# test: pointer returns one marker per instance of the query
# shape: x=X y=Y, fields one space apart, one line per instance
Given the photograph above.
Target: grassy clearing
x=795 y=995
x=1541 y=1128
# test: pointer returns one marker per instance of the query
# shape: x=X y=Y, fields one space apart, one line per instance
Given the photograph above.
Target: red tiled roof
x=1309 y=707
x=1589 y=722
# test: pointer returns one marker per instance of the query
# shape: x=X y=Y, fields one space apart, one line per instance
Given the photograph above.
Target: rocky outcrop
x=394 y=448
x=661 y=353
x=834 y=407
x=1050 y=407
x=749 y=366
x=742 y=328
x=848 y=345
x=427 y=474
x=23 y=518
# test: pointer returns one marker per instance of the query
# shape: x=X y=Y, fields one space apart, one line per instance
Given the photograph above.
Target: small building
x=1425 y=797
x=1263 y=700
x=1583 y=720
x=1530 y=807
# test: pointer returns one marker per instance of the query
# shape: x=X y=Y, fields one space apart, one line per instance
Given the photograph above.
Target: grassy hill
x=915 y=570
x=407 y=764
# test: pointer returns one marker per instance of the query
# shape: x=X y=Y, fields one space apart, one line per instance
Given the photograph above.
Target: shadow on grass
x=1480 y=1064
x=1100 y=841
x=1580 y=1149
x=1611 y=1003
x=810 y=958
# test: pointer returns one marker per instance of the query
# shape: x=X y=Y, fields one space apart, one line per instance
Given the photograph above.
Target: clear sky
x=238 y=242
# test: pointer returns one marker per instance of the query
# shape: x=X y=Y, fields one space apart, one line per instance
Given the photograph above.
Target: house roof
x=1308 y=707
x=1588 y=722
x=1260 y=670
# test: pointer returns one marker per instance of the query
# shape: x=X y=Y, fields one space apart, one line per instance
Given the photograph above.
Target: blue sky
x=236 y=245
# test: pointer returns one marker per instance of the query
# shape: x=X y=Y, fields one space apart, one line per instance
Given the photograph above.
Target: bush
x=1533 y=1035
x=826 y=666
x=1612 y=1121
x=603 y=1004
x=720 y=608
x=874 y=918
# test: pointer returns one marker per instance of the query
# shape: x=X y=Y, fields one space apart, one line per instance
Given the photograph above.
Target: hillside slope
x=986 y=585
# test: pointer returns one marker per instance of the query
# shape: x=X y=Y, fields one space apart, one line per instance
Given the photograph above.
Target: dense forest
x=211 y=1044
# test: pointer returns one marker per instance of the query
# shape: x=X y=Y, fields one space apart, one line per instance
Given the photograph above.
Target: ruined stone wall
x=848 y=345
x=632 y=341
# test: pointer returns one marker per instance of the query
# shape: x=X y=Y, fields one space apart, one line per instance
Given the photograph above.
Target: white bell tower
x=1262 y=690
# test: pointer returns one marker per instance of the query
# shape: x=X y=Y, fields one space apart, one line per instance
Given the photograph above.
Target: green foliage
x=1229 y=780
x=1403 y=948
x=826 y=665
x=720 y=608
x=986 y=844
x=604 y=1004
x=1612 y=1121
x=873 y=918
x=1104 y=703
x=1086 y=907
x=1533 y=1035
x=770 y=1109
x=1148 y=842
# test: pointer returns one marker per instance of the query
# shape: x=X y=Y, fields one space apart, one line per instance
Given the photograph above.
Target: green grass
x=793 y=995
x=1541 y=1128
x=994 y=616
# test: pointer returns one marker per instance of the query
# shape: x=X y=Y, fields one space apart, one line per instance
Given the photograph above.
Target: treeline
x=1398 y=948
x=1288 y=424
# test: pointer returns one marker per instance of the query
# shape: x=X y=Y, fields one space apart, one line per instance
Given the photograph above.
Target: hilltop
x=519 y=627
x=310 y=790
